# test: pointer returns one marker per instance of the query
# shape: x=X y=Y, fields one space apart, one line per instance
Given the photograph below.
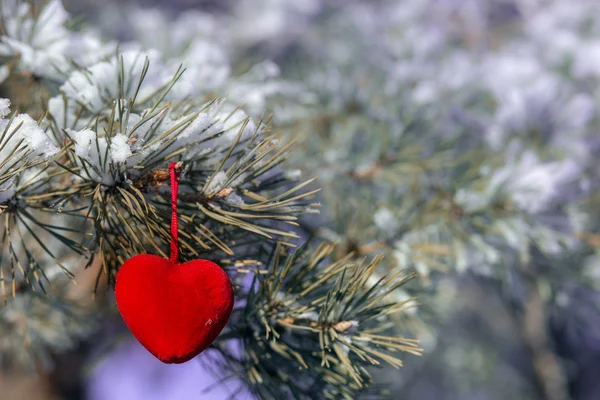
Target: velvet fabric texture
x=175 y=310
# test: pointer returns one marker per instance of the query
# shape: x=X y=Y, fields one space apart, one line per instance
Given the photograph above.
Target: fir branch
x=310 y=326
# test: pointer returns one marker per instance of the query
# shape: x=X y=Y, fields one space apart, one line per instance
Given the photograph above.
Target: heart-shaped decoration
x=175 y=310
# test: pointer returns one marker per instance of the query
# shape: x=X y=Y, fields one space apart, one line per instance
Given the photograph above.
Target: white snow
x=94 y=149
x=119 y=148
x=4 y=107
x=385 y=220
x=216 y=184
x=24 y=141
x=33 y=135
x=83 y=142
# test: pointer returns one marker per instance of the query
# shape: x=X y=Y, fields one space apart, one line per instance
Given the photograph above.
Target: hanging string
x=174 y=172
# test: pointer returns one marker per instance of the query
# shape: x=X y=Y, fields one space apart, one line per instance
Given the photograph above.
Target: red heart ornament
x=174 y=310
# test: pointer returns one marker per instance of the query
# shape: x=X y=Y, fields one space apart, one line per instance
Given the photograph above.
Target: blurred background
x=457 y=137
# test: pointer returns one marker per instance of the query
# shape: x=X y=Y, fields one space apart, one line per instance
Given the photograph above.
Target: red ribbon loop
x=173 y=171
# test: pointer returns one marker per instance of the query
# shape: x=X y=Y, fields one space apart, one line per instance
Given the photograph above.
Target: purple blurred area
x=130 y=372
x=89 y=7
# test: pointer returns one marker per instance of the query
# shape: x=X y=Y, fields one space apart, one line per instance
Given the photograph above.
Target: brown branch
x=548 y=369
x=156 y=178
